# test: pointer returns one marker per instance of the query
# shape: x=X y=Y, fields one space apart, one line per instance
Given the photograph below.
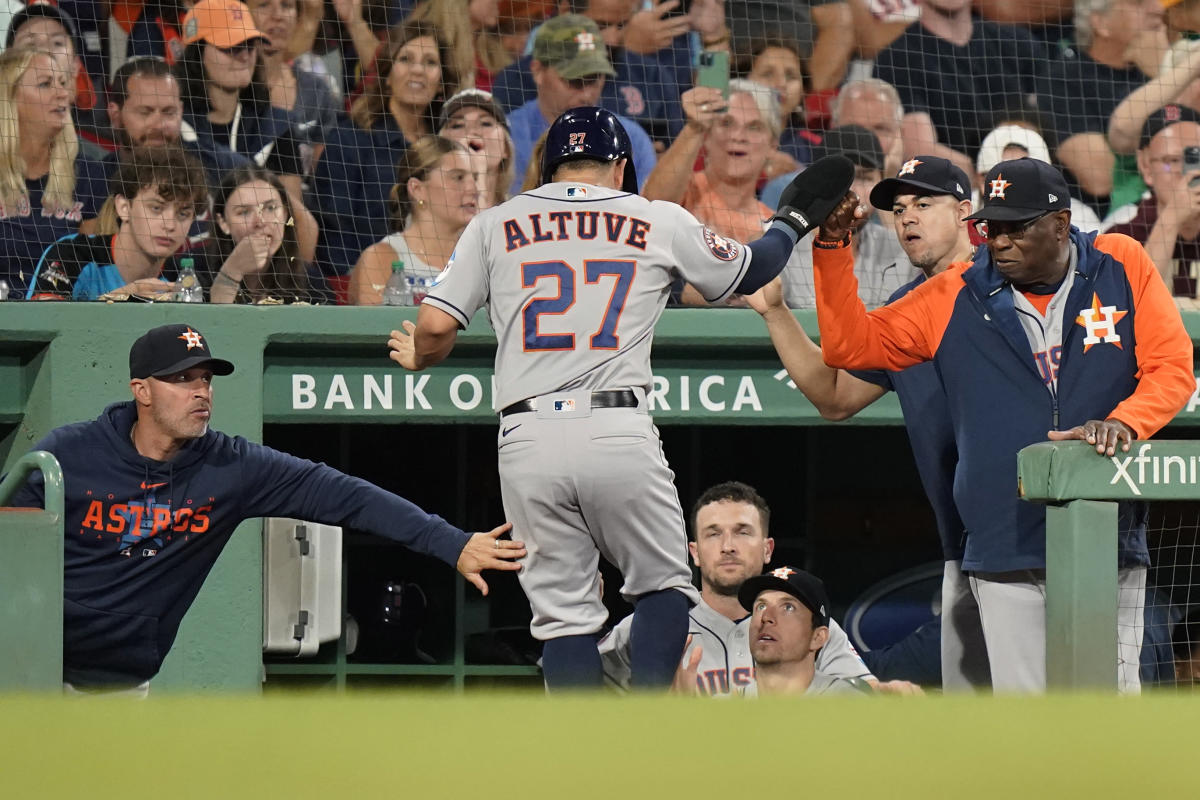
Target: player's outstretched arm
x=835 y=393
x=803 y=204
x=426 y=343
x=489 y=551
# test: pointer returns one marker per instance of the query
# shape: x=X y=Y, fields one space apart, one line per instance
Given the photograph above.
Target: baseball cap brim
x=884 y=193
x=1009 y=213
x=219 y=366
x=584 y=65
x=226 y=37
x=753 y=587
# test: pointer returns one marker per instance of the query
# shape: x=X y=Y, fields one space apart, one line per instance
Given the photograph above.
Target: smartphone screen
x=714 y=71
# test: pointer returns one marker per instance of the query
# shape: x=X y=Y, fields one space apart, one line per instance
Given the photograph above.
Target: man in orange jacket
x=1047 y=333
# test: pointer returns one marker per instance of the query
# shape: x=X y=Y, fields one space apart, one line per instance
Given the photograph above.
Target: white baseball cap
x=992 y=148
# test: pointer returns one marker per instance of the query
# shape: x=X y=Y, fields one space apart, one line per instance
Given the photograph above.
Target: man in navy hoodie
x=153 y=494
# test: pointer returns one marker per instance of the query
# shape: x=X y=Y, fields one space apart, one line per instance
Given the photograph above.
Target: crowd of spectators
x=339 y=108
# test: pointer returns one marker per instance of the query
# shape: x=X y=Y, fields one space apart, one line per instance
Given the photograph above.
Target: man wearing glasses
x=1048 y=333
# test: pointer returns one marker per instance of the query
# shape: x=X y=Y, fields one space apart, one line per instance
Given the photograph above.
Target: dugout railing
x=1081 y=489
x=31 y=574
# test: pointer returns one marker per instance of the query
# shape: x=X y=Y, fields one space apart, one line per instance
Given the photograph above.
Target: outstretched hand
x=489 y=551
x=848 y=215
x=1105 y=434
x=767 y=298
x=403 y=348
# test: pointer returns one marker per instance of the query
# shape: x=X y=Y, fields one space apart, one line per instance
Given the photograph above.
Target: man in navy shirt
x=644 y=86
x=569 y=67
x=960 y=71
x=927 y=200
x=153 y=494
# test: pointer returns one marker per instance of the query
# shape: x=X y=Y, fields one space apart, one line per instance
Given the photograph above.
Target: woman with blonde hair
x=476 y=52
x=45 y=191
x=358 y=167
x=433 y=200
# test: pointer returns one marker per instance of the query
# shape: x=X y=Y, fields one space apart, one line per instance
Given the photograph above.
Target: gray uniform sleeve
x=839 y=658
x=614 y=654
x=708 y=261
x=462 y=288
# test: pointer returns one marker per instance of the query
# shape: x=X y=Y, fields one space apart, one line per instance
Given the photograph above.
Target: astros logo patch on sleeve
x=722 y=248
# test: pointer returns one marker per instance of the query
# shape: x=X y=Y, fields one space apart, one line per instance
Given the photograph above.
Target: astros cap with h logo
x=1021 y=189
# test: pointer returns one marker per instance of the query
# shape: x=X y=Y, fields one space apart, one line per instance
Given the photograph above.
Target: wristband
x=222 y=276
x=831 y=244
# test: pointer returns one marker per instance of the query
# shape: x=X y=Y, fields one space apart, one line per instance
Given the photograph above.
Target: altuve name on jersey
x=558 y=226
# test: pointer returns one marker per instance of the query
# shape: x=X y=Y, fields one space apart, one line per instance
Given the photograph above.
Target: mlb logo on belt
x=564 y=405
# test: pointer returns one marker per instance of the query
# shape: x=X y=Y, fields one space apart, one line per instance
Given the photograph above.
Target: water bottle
x=420 y=288
x=398 y=291
x=4 y=290
x=190 y=290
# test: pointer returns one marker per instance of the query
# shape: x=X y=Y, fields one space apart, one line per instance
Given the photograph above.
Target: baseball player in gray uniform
x=731 y=544
x=574 y=275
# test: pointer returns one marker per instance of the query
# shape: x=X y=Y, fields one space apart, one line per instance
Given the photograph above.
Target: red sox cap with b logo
x=1022 y=189
x=168 y=349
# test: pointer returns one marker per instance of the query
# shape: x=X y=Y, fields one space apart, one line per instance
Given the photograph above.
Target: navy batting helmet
x=588 y=132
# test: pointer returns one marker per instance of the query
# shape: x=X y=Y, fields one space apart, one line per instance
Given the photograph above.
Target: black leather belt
x=609 y=398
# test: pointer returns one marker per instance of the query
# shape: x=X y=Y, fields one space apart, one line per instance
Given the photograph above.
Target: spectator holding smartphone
x=1167 y=221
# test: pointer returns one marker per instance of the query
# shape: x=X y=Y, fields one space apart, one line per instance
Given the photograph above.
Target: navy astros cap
x=168 y=349
x=1022 y=189
x=923 y=175
x=804 y=586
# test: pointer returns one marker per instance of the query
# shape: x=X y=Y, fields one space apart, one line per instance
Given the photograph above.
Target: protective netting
x=1171 y=644
x=336 y=98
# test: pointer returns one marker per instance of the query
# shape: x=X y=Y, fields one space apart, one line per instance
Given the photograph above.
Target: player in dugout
x=731 y=543
x=927 y=202
x=153 y=494
x=1082 y=342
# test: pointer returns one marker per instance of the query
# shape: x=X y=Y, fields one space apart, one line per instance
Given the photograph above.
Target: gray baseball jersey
x=575 y=277
x=1045 y=331
x=822 y=684
x=725 y=663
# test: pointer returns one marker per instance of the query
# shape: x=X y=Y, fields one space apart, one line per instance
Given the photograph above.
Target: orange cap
x=224 y=23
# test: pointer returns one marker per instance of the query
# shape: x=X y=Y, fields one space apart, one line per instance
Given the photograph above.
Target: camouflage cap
x=571 y=43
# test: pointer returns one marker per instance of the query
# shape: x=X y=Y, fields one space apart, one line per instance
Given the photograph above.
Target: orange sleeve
x=1163 y=348
x=893 y=337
